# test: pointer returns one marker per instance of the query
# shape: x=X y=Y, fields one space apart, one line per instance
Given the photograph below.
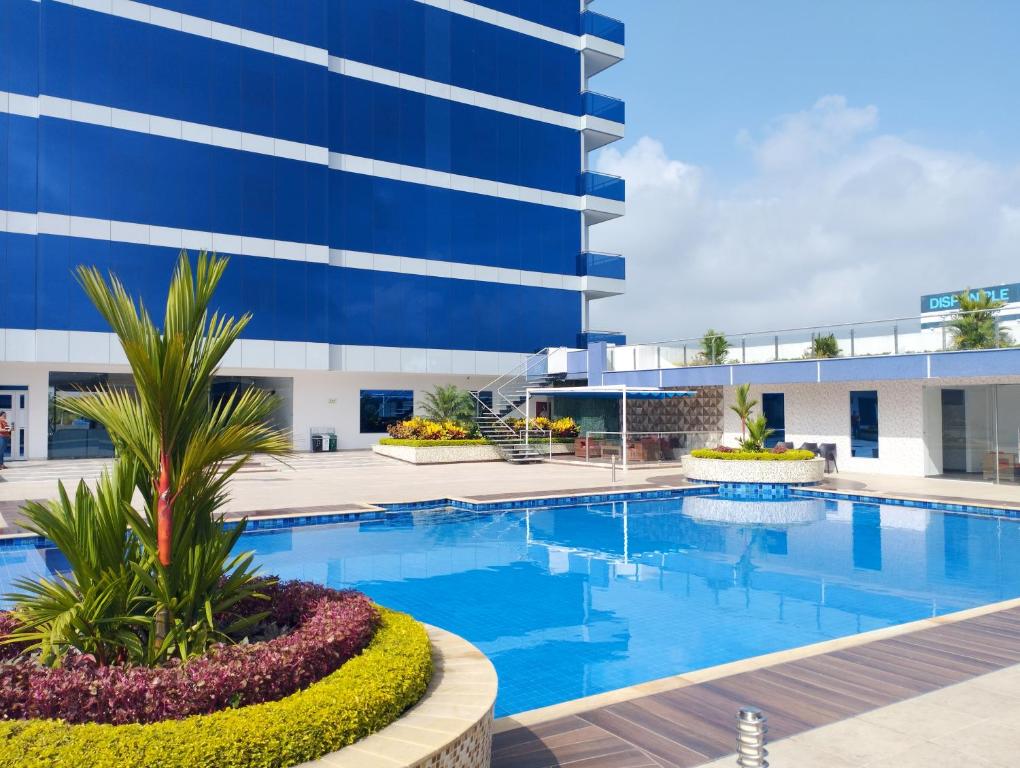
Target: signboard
x=940 y=302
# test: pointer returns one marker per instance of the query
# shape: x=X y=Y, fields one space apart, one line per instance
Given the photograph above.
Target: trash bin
x=317 y=443
x=332 y=441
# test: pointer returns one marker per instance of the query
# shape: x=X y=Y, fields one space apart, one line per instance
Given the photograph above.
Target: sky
x=799 y=162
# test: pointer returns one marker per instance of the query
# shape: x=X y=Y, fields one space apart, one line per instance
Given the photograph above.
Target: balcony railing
x=950 y=331
x=592 y=264
x=606 y=107
x=604 y=27
x=602 y=185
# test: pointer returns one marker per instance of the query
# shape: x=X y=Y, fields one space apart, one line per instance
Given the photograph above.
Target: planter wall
x=455 y=454
x=773 y=472
x=451 y=727
x=450 y=454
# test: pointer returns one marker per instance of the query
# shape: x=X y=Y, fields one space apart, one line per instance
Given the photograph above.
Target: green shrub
x=430 y=443
x=710 y=453
x=364 y=695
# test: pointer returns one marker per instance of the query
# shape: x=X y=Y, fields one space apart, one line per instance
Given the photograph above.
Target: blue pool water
x=571 y=601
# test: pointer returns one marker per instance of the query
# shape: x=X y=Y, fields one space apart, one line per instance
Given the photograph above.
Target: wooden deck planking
x=693 y=725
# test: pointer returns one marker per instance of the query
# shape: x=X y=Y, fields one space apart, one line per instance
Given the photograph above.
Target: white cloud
x=838 y=223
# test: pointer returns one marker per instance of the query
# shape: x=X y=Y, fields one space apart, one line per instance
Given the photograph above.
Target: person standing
x=5 y=437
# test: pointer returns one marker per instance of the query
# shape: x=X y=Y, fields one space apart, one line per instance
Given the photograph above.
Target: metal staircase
x=509 y=393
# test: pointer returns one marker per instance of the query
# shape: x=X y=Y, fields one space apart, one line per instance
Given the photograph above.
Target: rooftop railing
x=604 y=27
x=981 y=329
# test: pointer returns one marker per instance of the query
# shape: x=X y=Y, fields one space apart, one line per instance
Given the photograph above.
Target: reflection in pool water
x=572 y=601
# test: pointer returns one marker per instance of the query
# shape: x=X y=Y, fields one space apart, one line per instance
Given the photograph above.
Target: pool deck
x=943 y=691
x=311 y=484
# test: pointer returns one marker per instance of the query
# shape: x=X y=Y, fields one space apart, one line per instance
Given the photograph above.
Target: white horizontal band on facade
x=156 y=125
x=416 y=175
x=19 y=345
x=44 y=223
x=228 y=33
x=18 y=222
x=394 y=79
x=182 y=130
x=507 y=21
x=213 y=30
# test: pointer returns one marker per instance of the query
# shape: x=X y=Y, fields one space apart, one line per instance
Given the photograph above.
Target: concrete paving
x=360 y=477
x=973 y=724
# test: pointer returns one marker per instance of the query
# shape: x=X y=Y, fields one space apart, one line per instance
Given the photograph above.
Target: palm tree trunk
x=164 y=511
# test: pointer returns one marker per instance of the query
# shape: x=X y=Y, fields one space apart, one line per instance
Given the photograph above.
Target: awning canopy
x=610 y=391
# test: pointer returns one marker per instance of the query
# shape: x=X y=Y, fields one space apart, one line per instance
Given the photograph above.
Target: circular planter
x=450 y=727
x=741 y=471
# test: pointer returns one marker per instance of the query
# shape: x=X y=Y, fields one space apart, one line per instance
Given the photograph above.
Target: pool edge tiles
x=380 y=511
x=974 y=507
x=532 y=717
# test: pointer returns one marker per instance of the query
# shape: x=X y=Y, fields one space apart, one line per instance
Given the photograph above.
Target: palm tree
x=449 y=403
x=183 y=446
x=824 y=346
x=714 y=347
x=743 y=406
x=975 y=325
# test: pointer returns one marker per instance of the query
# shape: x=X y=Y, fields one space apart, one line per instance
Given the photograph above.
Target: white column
x=527 y=416
x=623 y=420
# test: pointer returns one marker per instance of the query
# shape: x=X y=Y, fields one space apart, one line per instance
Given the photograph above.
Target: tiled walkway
x=695 y=724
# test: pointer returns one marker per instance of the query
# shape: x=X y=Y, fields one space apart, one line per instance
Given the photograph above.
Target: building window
x=864 y=424
x=773 y=406
x=382 y=407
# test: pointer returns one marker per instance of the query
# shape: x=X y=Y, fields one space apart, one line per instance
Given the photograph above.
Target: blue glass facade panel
x=62 y=166
x=292 y=300
x=376 y=215
x=396 y=35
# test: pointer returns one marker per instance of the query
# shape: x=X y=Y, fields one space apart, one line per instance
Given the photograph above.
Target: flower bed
x=365 y=694
x=328 y=628
x=430 y=443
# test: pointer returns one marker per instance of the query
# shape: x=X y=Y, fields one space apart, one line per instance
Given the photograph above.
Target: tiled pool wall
x=731 y=491
x=759 y=491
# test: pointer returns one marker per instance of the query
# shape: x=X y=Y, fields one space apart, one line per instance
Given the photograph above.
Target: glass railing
x=591 y=337
x=951 y=331
x=602 y=185
x=607 y=107
x=591 y=264
x=604 y=27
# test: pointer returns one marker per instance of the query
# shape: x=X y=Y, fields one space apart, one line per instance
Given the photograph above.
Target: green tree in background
x=975 y=326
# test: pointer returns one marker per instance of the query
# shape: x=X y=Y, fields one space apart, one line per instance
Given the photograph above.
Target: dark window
x=382 y=407
x=773 y=406
x=864 y=424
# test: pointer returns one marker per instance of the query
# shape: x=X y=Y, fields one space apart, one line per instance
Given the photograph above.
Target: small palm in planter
x=151 y=584
x=758 y=431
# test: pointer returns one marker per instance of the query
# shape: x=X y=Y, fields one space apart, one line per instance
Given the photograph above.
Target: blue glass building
x=402 y=185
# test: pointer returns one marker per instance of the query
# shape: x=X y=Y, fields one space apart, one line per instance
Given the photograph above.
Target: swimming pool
x=573 y=600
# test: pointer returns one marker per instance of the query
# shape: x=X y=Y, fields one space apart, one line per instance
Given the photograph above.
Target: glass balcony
x=604 y=27
x=602 y=185
x=606 y=107
x=592 y=264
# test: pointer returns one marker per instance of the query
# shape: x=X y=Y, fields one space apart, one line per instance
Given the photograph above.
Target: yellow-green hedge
x=364 y=695
x=710 y=453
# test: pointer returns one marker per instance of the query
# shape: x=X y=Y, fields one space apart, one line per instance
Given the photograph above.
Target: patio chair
x=813 y=447
x=828 y=452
